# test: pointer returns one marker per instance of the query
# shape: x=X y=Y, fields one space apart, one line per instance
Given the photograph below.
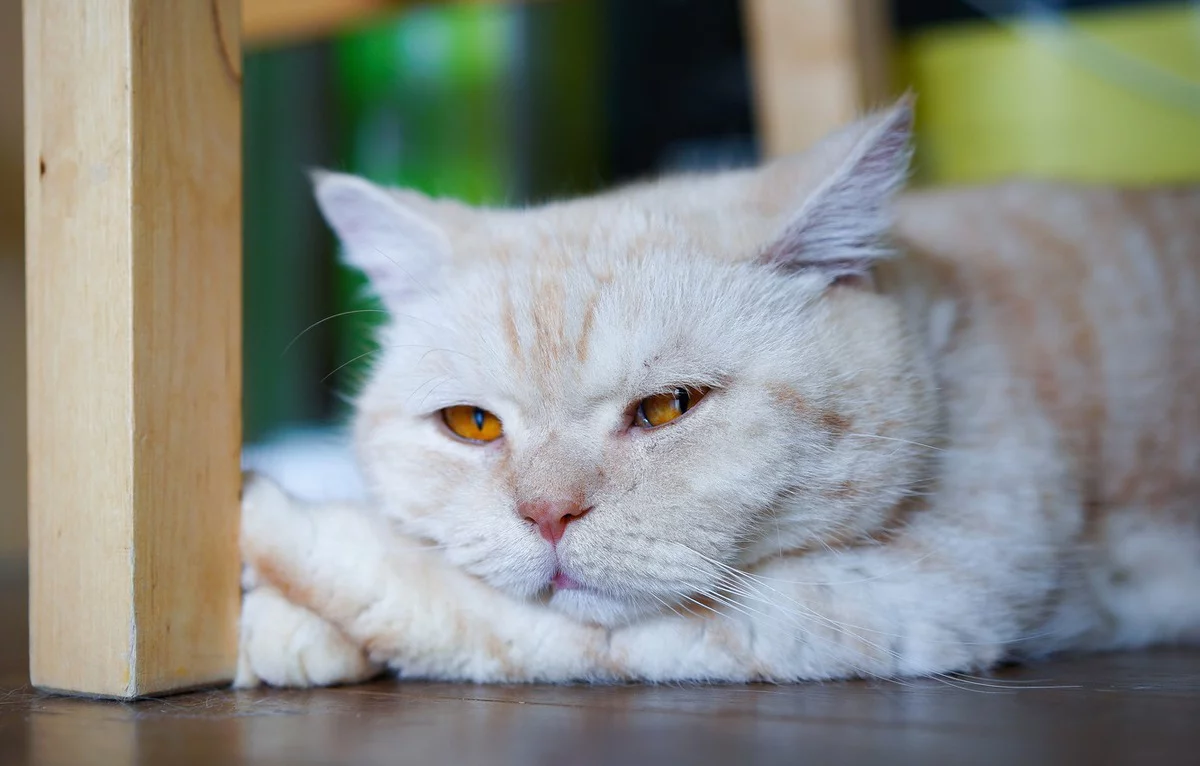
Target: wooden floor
x=1142 y=708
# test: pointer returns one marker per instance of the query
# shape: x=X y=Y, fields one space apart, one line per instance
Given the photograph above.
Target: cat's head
x=609 y=401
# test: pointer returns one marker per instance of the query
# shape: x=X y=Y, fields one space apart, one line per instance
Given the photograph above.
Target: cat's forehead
x=554 y=338
x=597 y=239
x=567 y=314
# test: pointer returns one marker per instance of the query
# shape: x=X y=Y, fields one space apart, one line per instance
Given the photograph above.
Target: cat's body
x=986 y=447
x=1089 y=301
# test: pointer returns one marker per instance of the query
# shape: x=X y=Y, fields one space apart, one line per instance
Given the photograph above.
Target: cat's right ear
x=840 y=230
x=397 y=248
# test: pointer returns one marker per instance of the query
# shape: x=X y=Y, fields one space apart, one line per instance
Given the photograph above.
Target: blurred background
x=509 y=103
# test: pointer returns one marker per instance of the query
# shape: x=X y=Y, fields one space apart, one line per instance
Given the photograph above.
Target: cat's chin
x=599 y=608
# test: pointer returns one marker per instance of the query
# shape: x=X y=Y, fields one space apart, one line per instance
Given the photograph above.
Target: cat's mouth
x=563 y=581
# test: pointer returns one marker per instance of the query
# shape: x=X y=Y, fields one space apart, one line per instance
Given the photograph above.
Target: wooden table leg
x=816 y=65
x=133 y=191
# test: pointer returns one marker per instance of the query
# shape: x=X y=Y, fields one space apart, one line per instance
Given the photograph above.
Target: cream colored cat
x=758 y=425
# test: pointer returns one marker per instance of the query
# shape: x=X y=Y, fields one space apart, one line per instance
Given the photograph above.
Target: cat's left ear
x=840 y=229
x=385 y=233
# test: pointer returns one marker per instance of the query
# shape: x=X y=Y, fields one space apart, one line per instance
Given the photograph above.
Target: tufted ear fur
x=840 y=228
x=394 y=242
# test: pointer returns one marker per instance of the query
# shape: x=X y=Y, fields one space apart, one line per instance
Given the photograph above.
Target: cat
x=776 y=424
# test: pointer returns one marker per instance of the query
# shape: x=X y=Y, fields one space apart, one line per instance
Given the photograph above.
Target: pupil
x=478 y=416
x=682 y=399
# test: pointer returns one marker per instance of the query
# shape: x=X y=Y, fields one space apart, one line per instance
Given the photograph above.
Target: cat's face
x=608 y=402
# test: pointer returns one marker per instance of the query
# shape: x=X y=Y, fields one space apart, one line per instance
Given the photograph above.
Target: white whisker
x=894 y=439
x=320 y=322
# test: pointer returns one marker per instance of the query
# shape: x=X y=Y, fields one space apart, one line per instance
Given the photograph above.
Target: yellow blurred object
x=1104 y=95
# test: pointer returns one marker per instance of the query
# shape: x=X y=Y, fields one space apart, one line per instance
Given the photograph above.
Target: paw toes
x=288 y=646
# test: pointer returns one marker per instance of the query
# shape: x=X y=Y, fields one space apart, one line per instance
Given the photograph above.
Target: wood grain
x=816 y=65
x=267 y=22
x=278 y=22
x=133 y=280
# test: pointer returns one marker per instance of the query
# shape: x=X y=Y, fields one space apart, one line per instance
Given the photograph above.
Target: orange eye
x=656 y=410
x=472 y=423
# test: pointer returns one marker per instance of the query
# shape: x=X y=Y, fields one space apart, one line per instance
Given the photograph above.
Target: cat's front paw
x=282 y=643
x=285 y=645
x=267 y=511
x=276 y=533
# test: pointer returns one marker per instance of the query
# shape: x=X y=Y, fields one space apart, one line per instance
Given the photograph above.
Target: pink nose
x=552 y=516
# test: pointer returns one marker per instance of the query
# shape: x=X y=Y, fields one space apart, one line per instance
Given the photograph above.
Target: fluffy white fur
x=872 y=487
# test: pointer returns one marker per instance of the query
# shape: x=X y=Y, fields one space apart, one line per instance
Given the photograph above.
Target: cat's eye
x=654 y=411
x=472 y=423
